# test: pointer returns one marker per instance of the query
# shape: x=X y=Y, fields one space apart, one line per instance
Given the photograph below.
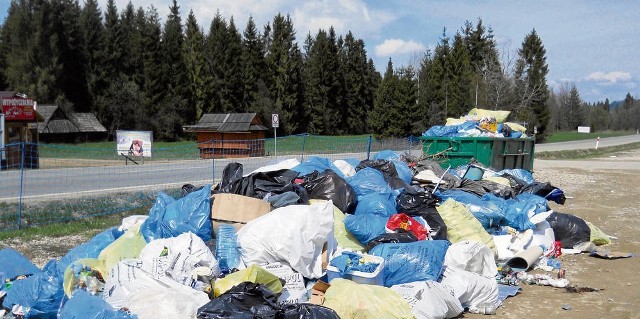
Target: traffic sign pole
x=275 y=123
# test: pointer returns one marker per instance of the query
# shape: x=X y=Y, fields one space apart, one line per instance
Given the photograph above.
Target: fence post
x=304 y=142
x=369 y=146
x=22 y=155
x=213 y=162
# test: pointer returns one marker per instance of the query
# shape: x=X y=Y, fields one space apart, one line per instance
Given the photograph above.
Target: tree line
x=137 y=73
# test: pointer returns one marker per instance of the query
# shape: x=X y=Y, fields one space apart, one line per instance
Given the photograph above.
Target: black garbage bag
x=260 y=184
x=482 y=187
x=246 y=300
x=387 y=168
x=569 y=229
x=329 y=185
x=437 y=227
x=308 y=311
x=516 y=184
x=401 y=236
x=545 y=190
x=413 y=203
x=189 y=188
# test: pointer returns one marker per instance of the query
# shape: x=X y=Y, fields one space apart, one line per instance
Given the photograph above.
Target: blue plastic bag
x=404 y=172
x=14 y=264
x=83 y=305
x=517 y=210
x=39 y=295
x=488 y=210
x=313 y=163
x=365 y=227
x=519 y=173
x=368 y=180
x=169 y=217
x=90 y=249
x=380 y=204
x=409 y=262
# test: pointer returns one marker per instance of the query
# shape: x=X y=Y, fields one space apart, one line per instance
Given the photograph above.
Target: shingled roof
x=229 y=122
x=56 y=121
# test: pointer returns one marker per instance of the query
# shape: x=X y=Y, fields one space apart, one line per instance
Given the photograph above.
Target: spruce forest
x=136 y=72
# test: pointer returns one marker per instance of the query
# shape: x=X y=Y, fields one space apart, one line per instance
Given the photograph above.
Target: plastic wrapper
x=328 y=185
x=417 y=261
x=366 y=227
x=569 y=229
x=382 y=204
x=351 y=300
x=254 y=274
x=170 y=217
x=462 y=225
x=404 y=222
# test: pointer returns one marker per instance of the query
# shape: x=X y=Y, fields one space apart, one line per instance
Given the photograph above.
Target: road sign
x=275 y=120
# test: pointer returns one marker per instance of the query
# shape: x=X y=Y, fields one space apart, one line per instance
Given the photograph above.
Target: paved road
x=74 y=182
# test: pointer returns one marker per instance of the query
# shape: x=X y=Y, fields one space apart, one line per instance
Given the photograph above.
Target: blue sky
x=594 y=44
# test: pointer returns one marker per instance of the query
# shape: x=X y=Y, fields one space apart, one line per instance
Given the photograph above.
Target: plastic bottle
x=227 y=252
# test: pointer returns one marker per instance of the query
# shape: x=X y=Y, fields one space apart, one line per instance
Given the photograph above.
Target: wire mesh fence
x=45 y=183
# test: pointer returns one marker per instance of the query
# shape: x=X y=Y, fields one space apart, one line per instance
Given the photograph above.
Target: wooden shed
x=229 y=135
x=60 y=126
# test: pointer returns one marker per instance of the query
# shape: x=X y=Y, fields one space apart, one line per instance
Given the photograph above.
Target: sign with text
x=275 y=120
x=134 y=143
x=17 y=108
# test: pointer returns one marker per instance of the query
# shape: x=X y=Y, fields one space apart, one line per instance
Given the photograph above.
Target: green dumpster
x=496 y=153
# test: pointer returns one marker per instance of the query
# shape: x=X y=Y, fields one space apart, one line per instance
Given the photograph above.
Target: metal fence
x=45 y=183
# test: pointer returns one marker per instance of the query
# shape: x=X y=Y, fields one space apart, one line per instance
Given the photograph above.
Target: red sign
x=15 y=108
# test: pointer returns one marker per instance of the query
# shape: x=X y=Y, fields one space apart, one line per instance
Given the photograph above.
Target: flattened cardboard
x=317 y=292
x=236 y=209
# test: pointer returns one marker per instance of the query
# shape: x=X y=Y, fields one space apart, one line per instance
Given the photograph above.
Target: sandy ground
x=604 y=191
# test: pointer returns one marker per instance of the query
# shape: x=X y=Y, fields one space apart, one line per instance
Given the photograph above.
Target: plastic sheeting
x=409 y=262
x=293 y=235
x=170 y=217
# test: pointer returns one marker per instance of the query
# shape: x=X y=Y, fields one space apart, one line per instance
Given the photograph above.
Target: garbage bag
x=430 y=299
x=569 y=229
x=329 y=185
x=519 y=209
x=522 y=175
x=545 y=190
x=293 y=235
x=482 y=187
x=83 y=305
x=85 y=274
x=488 y=209
x=387 y=168
x=190 y=188
x=345 y=168
x=462 y=225
x=437 y=226
x=311 y=164
x=366 y=227
x=37 y=296
x=246 y=300
x=308 y=311
x=402 y=236
x=478 y=293
x=90 y=249
x=126 y=246
x=472 y=256
x=231 y=175
x=344 y=238
x=409 y=262
x=383 y=204
x=254 y=274
x=14 y=264
x=598 y=237
x=351 y=300
x=187 y=250
x=415 y=203
x=368 y=180
x=170 y=217
x=402 y=169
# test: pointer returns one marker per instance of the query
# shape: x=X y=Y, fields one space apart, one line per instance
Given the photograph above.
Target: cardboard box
x=317 y=292
x=236 y=210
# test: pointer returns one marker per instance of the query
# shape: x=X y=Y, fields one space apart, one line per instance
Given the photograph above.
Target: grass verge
x=575 y=136
x=587 y=153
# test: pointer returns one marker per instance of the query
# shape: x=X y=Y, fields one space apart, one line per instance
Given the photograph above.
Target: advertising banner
x=134 y=143
x=16 y=108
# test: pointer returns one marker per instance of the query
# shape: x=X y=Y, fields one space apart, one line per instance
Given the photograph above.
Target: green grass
x=575 y=136
x=588 y=153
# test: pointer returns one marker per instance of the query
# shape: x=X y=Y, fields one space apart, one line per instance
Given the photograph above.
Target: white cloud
x=610 y=77
x=397 y=46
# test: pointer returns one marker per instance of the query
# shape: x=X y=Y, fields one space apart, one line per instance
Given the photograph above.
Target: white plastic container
x=374 y=278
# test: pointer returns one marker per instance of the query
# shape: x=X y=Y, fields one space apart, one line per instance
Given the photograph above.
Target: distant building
x=229 y=135
x=60 y=126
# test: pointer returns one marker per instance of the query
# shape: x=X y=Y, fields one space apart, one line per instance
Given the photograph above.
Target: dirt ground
x=603 y=191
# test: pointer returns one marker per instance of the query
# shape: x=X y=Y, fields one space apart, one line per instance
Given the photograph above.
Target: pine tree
x=233 y=76
x=193 y=56
x=154 y=86
x=256 y=93
x=574 y=105
x=460 y=74
x=215 y=56
x=381 y=114
x=358 y=97
x=94 y=52
x=531 y=85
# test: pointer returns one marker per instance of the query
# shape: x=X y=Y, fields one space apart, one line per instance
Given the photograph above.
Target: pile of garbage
x=478 y=123
x=388 y=237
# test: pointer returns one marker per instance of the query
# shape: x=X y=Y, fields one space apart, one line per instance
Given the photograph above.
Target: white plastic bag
x=472 y=256
x=345 y=168
x=293 y=235
x=478 y=293
x=430 y=299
